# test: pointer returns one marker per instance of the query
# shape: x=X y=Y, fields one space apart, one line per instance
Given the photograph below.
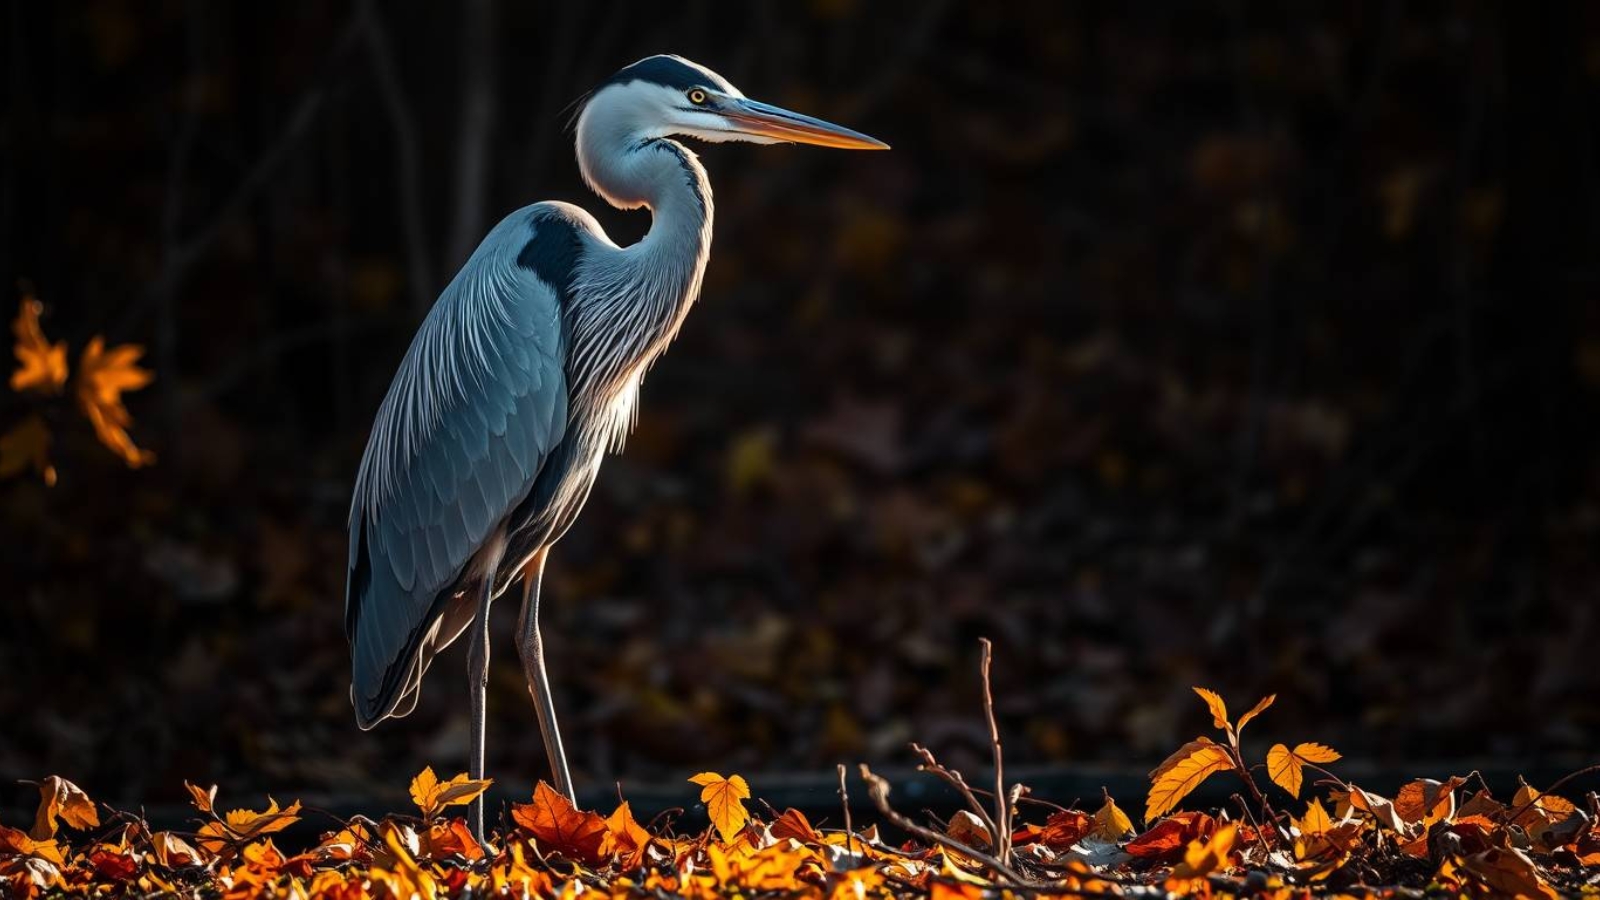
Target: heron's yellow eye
x=697 y=96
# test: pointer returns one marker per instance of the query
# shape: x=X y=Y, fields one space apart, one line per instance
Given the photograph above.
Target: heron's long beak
x=764 y=120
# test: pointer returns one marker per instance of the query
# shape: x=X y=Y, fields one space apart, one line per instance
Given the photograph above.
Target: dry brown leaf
x=60 y=799
x=27 y=444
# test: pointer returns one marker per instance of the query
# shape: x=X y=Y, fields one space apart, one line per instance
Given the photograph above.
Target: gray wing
x=479 y=403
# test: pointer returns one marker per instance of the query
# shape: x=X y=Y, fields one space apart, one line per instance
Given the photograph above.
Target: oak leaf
x=1182 y=772
x=433 y=796
x=724 y=799
x=27 y=444
x=102 y=377
x=559 y=827
x=60 y=799
x=1286 y=767
x=41 y=365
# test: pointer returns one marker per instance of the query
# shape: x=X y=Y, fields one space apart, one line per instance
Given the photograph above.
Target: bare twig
x=1537 y=795
x=955 y=780
x=844 y=801
x=878 y=789
x=1002 y=802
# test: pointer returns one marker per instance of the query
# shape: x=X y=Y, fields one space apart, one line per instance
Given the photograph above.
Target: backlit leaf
x=433 y=796
x=1256 y=710
x=559 y=827
x=1219 y=709
x=1182 y=773
x=102 y=377
x=60 y=799
x=41 y=365
x=1201 y=858
x=724 y=799
x=1110 y=822
x=1284 y=768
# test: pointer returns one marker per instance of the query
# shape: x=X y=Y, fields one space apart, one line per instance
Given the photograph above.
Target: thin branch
x=844 y=801
x=1002 y=802
x=957 y=781
x=878 y=789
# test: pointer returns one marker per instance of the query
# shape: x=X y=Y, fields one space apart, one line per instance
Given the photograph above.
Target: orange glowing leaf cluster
x=103 y=375
x=41 y=365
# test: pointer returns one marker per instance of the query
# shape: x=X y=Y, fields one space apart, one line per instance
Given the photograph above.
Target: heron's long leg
x=531 y=647
x=478 y=675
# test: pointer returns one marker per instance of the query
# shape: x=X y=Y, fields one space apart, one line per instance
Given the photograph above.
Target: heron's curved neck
x=637 y=296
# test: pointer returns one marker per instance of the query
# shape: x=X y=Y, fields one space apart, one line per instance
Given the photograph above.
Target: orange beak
x=765 y=120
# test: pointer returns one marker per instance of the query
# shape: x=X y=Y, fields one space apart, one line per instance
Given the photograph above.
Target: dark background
x=1252 y=345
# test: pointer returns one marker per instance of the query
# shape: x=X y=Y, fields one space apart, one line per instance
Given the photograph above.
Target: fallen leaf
x=433 y=796
x=724 y=799
x=1201 y=858
x=27 y=444
x=627 y=839
x=1171 y=835
x=1110 y=822
x=63 y=800
x=559 y=827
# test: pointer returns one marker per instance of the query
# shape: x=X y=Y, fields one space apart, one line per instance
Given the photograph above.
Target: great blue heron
x=524 y=373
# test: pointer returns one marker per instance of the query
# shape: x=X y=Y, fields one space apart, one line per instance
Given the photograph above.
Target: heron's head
x=667 y=96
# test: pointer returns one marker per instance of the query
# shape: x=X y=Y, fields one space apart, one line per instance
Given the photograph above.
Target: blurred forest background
x=1253 y=345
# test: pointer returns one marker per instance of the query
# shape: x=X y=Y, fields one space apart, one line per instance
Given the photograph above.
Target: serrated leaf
x=559 y=826
x=1320 y=754
x=433 y=796
x=1181 y=774
x=724 y=799
x=1219 y=709
x=1256 y=710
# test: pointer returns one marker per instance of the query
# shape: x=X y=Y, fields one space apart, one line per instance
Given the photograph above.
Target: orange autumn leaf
x=27 y=444
x=1286 y=767
x=724 y=799
x=41 y=365
x=625 y=837
x=433 y=796
x=1201 y=858
x=60 y=799
x=17 y=841
x=242 y=825
x=102 y=377
x=1256 y=710
x=1182 y=772
x=1219 y=709
x=204 y=800
x=559 y=827
x=1171 y=835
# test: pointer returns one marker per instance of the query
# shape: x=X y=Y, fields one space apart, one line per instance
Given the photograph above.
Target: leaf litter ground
x=1448 y=838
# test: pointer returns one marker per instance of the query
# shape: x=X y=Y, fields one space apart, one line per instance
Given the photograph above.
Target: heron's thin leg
x=531 y=647
x=478 y=675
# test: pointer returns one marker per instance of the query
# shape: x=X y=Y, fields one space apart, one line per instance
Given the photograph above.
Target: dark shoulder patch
x=552 y=252
x=668 y=71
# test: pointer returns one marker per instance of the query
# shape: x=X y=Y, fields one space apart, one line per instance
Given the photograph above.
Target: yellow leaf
x=27 y=443
x=42 y=366
x=1256 y=710
x=241 y=825
x=625 y=837
x=1182 y=773
x=1219 y=710
x=1111 y=823
x=433 y=796
x=1283 y=767
x=724 y=799
x=61 y=799
x=102 y=377
x=1316 y=821
x=1202 y=857
x=1286 y=767
x=1316 y=753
